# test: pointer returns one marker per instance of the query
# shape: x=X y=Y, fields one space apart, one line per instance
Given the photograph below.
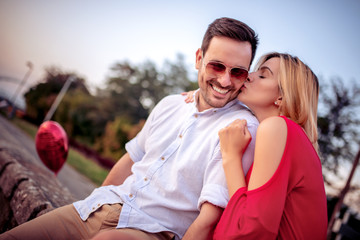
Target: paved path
x=76 y=183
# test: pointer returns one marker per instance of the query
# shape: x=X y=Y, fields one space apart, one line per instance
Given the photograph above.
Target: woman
x=282 y=196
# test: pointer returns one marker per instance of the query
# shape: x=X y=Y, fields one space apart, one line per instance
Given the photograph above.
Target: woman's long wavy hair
x=299 y=88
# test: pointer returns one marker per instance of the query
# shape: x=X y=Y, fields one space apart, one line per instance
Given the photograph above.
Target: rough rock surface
x=26 y=190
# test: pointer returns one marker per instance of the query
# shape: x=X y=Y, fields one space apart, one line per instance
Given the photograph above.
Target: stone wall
x=27 y=190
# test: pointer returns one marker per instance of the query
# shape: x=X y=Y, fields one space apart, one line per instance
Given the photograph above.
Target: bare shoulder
x=271 y=138
x=269 y=148
x=273 y=126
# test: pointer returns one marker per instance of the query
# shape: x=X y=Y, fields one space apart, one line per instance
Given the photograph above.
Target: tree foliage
x=134 y=90
x=82 y=116
x=338 y=123
x=117 y=133
x=114 y=114
x=40 y=97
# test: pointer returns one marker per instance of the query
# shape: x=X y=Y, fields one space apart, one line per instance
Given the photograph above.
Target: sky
x=88 y=37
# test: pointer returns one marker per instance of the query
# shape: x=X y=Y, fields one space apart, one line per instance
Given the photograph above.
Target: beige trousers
x=65 y=223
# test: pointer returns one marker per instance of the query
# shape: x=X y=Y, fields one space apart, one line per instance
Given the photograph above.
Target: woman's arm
x=257 y=214
x=269 y=148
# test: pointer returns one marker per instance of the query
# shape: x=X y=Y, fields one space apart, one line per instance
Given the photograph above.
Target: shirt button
x=180 y=136
x=93 y=208
x=162 y=158
x=98 y=205
x=195 y=115
x=130 y=195
x=145 y=179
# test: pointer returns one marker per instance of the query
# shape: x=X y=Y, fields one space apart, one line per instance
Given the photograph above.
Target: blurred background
x=124 y=56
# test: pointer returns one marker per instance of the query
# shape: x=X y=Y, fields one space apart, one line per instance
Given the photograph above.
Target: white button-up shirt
x=177 y=167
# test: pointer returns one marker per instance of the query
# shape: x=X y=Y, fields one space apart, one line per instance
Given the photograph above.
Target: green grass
x=28 y=128
x=80 y=163
x=86 y=167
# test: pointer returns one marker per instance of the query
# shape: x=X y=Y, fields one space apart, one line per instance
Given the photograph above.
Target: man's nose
x=225 y=79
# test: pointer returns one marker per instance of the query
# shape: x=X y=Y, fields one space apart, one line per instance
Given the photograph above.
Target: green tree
x=130 y=93
x=40 y=97
x=134 y=90
x=338 y=123
x=116 y=134
x=177 y=77
x=82 y=116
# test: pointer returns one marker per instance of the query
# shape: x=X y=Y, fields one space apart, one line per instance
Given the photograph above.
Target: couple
x=176 y=178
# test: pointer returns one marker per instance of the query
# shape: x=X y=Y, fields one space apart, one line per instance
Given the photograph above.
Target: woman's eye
x=261 y=76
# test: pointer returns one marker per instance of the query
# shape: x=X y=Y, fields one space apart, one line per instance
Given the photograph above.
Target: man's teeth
x=219 y=90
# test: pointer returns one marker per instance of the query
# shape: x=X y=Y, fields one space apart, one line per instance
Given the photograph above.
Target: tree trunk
x=342 y=196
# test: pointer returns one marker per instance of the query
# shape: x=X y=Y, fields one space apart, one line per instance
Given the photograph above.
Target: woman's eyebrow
x=265 y=67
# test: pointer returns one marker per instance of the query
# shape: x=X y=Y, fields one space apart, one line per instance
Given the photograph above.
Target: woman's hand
x=189 y=96
x=234 y=140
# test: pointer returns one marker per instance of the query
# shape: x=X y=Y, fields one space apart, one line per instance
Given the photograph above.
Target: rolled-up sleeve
x=134 y=150
x=215 y=189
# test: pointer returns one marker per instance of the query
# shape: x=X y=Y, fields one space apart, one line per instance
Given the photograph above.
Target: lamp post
x=16 y=93
x=59 y=98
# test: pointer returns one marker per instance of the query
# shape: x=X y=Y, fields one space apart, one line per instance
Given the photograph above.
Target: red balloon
x=52 y=145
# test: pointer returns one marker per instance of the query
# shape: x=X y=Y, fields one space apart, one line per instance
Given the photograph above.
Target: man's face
x=217 y=91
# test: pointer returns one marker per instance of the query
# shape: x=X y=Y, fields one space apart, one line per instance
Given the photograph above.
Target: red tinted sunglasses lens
x=239 y=73
x=214 y=68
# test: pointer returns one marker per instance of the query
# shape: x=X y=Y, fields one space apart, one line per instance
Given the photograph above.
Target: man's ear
x=198 y=60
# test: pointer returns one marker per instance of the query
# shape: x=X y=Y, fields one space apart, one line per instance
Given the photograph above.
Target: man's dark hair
x=230 y=28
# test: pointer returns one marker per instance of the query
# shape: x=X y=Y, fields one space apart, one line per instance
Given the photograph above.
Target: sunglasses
x=217 y=69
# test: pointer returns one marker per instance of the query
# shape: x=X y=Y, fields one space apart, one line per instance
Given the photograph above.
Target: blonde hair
x=299 y=88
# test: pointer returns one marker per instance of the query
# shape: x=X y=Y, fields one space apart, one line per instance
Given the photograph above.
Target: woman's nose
x=250 y=77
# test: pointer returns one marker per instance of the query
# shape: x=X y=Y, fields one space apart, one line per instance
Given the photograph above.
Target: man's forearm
x=203 y=226
x=120 y=171
x=197 y=232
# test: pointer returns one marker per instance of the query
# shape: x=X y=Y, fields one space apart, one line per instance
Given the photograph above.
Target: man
x=171 y=179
